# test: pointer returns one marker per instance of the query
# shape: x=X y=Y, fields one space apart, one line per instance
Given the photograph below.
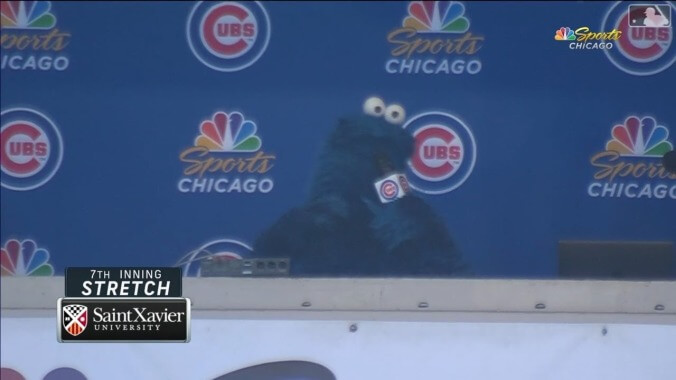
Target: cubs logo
x=444 y=153
x=30 y=149
x=75 y=319
x=389 y=189
x=641 y=50
x=228 y=36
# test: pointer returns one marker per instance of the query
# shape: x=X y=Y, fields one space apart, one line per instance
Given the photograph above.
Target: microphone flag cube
x=392 y=187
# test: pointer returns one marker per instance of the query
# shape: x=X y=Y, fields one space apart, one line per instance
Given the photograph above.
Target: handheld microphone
x=392 y=186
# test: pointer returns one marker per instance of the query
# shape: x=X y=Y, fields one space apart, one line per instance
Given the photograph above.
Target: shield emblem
x=75 y=319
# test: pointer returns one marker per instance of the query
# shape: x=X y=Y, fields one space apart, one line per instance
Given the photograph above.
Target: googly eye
x=395 y=114
x=374 y=106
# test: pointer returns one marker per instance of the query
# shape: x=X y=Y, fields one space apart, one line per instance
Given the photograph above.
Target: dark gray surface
x=616 y=260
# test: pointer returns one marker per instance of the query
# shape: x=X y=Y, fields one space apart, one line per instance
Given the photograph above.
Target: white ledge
x=396 y=299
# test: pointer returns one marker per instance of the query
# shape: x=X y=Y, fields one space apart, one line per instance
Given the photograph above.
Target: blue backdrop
x=132 y=96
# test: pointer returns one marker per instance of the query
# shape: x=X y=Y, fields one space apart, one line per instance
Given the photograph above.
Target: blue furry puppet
x=345 y=228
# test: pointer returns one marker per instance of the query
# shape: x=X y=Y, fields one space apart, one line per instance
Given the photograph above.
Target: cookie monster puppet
x=355 y=221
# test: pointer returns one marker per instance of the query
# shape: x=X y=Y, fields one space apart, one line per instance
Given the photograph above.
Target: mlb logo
x=75 y=319
x=650 y=15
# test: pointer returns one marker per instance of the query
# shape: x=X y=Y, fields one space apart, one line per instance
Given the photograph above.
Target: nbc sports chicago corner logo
x=230 y=35
x=646 y=44
x=30 y=149
x=434 y=38
x=30 y=39
x=630 y=166
x=226 y=157
x=585 y=39
x=444 y=153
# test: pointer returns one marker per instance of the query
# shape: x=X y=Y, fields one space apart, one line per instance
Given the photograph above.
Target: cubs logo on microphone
x=392 y=187
x=30 y=149
x=444 y=155
x=389 y=189
x=230 y=35
x=642 y=49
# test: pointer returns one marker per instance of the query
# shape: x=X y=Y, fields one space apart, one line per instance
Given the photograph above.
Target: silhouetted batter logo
x=75 y=319
x=648 y=15
x=229 y=35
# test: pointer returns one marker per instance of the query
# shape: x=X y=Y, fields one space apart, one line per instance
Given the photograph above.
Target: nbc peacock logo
x=227 y=157
x=436 y=17
x=30 y=40
x=640 y=138
x=27 y=15
x=564 y=34
x=24 y=258
x=630 y=166
x=228 y=133
x=434 y=38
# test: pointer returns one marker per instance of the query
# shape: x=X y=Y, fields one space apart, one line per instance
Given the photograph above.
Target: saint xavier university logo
x=75 y=319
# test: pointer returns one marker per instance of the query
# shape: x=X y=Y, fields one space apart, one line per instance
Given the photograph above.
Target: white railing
x=393 y=299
